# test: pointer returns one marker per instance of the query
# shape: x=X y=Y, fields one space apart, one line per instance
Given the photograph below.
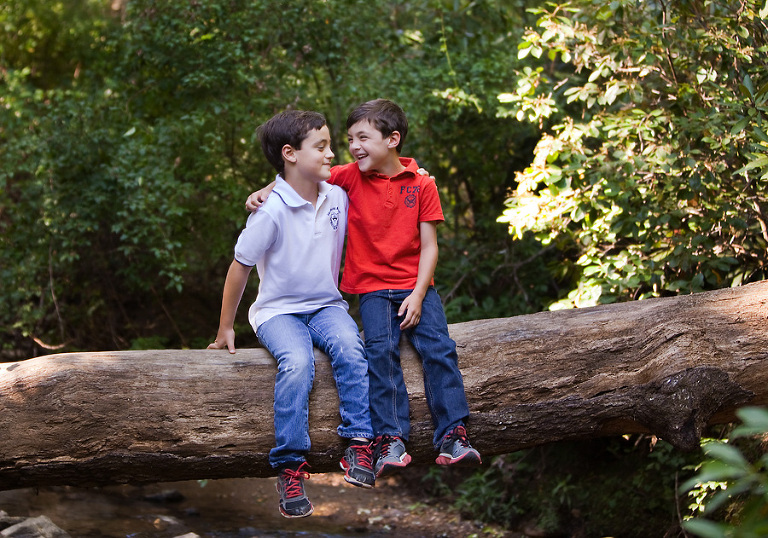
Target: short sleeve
x=259 y=234
x=430 y=208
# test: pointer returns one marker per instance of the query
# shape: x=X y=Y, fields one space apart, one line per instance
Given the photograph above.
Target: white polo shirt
x=297 y=251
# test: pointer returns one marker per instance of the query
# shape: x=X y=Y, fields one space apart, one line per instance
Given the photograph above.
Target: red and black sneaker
x=358 y=465
x=290 y=486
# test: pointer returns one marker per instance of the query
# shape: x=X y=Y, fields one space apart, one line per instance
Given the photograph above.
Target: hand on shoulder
x=256 y=200
x=423 y=172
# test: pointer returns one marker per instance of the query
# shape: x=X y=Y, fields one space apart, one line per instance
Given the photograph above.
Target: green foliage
x=150 y=342
x=631 y=138
x=51 y=41
x=474 y=155
x=653 y=159
x=489 y=496
x=605 y=487
x=128 y=149
x=732 y=486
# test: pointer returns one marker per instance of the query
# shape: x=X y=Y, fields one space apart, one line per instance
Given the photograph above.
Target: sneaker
x=389 y=455
x=290 y=486
x=358 y=465
x=456 y=450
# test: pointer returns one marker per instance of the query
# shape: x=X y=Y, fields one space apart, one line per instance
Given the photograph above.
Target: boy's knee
x=295 y=366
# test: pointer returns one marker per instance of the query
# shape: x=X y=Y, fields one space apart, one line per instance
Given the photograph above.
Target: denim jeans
x=443 y=384
x=290 y=339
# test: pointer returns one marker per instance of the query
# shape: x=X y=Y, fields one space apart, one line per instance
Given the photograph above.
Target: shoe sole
x=352 y=480
x=391 y=468
x=293 y=516
x=468 y=459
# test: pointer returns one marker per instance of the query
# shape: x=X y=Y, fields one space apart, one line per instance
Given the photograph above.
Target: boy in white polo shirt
x=295 y=242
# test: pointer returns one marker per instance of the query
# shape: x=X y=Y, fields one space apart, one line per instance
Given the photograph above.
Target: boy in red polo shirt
x=391 y=258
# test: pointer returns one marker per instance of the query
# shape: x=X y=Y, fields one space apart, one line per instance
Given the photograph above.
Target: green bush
x=128 y=149
x=730 y=491
x=625 y=486
x=652 y=167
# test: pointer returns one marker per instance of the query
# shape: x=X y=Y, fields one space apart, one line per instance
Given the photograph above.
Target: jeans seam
x=391 y=369
x=344 y=407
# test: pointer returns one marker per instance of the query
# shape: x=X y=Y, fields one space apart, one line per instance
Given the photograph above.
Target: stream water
x=214 y=509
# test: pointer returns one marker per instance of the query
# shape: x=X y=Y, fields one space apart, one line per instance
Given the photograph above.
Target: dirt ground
x=391 y=509
x=243 y=508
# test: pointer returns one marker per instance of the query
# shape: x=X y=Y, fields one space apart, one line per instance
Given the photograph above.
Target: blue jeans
x=290 y=339
x=443 y=384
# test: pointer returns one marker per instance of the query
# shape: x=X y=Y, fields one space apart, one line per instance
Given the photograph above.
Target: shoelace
x=459 y=434
x=363 y=455
x=384 y=444
x=293 y=485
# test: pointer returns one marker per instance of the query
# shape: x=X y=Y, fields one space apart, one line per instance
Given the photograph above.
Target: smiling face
x=373 y=151
x=313 y=159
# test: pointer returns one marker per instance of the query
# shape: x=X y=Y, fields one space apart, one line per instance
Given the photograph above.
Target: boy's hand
x=254 y=201
x=224 y=339
x=411 y=309
x=423 y=172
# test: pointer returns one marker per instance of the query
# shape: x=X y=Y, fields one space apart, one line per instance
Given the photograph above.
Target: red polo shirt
x=383 y=242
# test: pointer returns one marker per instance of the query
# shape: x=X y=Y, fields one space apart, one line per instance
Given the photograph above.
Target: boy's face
x=369 y=147
x=314 y=157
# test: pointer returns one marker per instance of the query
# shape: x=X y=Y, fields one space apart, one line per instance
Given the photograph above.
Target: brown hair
x=385 y=116
x=290 y=127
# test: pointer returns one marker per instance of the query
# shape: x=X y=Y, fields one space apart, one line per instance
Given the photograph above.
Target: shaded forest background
x=586 y=152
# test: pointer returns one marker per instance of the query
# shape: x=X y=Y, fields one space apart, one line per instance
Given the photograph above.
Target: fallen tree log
x=668 y=367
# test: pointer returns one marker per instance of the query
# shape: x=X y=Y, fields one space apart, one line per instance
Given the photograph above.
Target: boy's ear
x=394 y=139
x=289 y=154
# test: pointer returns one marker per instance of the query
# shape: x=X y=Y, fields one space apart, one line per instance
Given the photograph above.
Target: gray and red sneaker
x=389 y=455
x=456 y=450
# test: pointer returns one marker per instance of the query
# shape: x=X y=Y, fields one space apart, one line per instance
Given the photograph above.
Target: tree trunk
x=667 y=367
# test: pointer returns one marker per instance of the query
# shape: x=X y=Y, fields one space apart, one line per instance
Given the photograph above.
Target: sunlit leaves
x=654 y=163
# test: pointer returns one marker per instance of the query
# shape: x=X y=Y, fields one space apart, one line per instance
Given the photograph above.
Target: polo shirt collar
x=291 y=198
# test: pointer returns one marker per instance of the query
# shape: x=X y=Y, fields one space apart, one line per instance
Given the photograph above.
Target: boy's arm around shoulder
x=411 y=306
x=234 y=286
x=256 y=199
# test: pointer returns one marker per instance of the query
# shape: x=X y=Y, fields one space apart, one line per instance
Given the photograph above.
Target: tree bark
x=667 y=367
